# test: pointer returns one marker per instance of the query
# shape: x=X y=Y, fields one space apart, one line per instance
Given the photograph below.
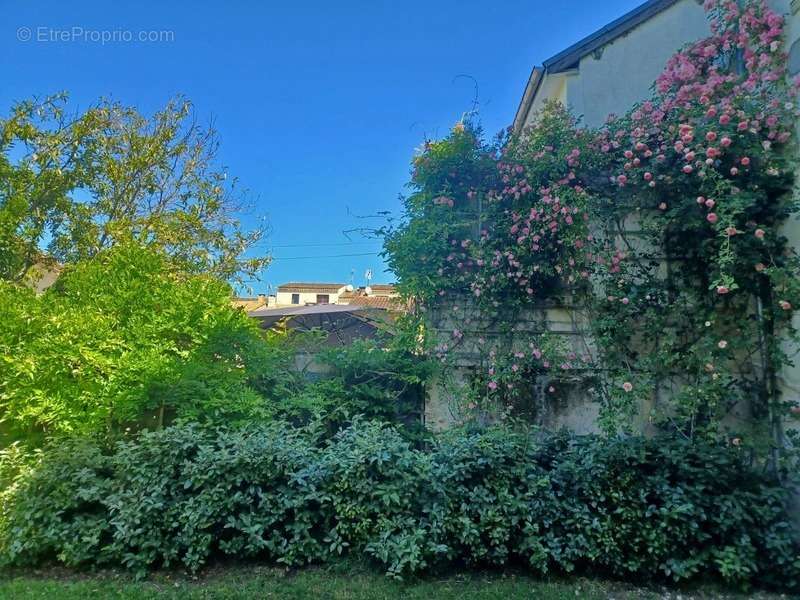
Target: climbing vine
x=660 y=232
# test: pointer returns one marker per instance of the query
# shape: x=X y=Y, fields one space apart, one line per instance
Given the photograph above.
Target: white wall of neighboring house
x=284 y=298
x=309 y=293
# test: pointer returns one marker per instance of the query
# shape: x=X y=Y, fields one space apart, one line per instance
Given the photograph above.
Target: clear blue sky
x=319 y=104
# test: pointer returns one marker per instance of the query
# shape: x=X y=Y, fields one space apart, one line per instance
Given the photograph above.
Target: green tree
x=129 y=339
x=72 y=186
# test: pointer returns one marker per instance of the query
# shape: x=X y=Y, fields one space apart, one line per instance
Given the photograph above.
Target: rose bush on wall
x=664 y=225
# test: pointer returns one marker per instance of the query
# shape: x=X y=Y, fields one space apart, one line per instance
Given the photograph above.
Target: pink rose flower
x=711 y=217
x=785 y=305
x=627 y=386
x=759 y=233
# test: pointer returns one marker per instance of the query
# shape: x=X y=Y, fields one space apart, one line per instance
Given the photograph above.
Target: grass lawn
x=337 y=583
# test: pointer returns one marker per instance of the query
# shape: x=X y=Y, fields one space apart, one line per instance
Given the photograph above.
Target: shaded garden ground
x=345 y=582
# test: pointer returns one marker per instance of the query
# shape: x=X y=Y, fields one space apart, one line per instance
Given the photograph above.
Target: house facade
x=302 y=294
x=305 y=294
x=606 y=73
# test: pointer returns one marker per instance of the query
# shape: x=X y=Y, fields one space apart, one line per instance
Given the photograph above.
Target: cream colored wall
x=621 y=74
x=552 y=87
x=789 y=379
x=285 y=298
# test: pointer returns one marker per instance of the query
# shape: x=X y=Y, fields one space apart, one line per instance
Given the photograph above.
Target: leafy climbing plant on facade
x=663 y=225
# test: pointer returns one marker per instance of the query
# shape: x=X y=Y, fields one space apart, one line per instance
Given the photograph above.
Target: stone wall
x=573 y=408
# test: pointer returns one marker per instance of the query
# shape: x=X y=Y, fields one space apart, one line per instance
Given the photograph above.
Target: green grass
x=341 y=583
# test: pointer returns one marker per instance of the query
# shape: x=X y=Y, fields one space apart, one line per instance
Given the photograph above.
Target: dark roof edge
x=567 y=58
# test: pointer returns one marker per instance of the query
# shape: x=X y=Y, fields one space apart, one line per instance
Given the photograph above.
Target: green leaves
x=129 y=340
x=111 y=175
x=628 y=507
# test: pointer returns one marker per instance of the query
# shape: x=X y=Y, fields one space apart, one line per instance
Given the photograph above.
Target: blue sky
x=319 y=105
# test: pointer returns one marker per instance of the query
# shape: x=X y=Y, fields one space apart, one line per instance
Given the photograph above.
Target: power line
x=324 y=256
x=320 y=245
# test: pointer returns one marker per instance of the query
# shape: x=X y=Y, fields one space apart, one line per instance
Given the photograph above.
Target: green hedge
x=625 y=507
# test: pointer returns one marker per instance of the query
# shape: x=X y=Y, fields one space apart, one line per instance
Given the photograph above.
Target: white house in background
x=301 y=294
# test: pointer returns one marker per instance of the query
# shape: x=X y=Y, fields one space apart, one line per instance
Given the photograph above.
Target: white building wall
x=621 y=73
x=285 y=298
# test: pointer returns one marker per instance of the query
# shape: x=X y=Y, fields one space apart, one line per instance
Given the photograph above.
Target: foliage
x=660 y=231
x=128 y=338
x=379 y=379
x=630 y=507
x=79 y=184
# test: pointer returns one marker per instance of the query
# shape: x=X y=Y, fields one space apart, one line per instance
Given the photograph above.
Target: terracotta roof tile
x=312 y=287
x=394 y=304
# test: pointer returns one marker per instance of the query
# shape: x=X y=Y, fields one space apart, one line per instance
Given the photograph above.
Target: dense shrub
x=377 y=379
x=622 y=506
x=129 y=339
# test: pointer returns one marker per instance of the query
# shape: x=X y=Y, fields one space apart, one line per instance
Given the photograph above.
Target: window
x=295 y=298
x=323 y=299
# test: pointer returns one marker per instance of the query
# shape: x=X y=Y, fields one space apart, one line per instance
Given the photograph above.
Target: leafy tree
x=128 y=338
x=72 y=186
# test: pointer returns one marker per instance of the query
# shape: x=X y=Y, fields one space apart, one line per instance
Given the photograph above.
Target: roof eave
x=568 y=58
x=531 y=88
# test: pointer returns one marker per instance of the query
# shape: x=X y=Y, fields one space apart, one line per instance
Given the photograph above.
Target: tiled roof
x=311 y=287
x=312 y=309
x=248 y=304
x=384 y=302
